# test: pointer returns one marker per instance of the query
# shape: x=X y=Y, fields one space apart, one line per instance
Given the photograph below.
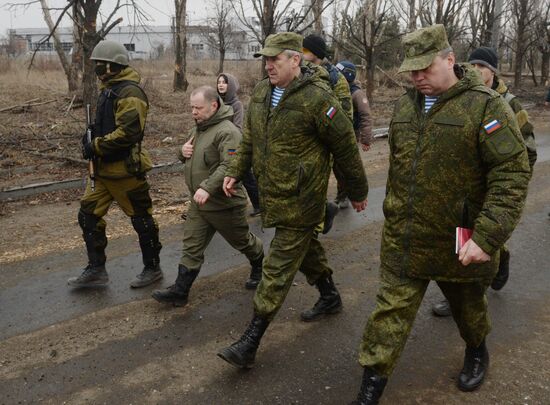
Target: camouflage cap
x=277 y=43
x=422 y=46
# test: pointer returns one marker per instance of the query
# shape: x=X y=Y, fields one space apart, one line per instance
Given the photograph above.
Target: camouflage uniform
x=120 y=166
x=522 y=118
x=440 y=161
x=290 y=148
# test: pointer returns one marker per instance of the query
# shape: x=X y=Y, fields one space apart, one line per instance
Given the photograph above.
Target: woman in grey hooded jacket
x=228 y=86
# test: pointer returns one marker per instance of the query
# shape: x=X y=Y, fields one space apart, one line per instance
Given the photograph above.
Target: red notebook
x=463 y=235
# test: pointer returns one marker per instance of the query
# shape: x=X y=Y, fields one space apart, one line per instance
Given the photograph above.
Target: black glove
x=87 y=151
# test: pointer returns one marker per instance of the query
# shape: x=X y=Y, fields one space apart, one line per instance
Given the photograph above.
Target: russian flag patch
x=231 y=152
x=492 y=126
x=331 y=112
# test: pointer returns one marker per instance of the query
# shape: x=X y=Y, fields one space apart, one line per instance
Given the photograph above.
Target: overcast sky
x=159 y=12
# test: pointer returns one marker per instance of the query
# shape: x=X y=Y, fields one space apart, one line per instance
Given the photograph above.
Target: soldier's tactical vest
x=105 y=116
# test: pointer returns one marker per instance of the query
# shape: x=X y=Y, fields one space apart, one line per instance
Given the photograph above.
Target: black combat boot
x=503 y=271
x=442 y=308
x=243 y=352
x=372 y=387
x=476 y=364
x=329 y=302
x=255 y=274
x=331 y=210
x=94 y=275
x=178 y=292
x=147 y=231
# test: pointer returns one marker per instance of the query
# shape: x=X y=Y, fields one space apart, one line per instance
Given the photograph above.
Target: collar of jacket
x=126 y=74
x=467 y=79
x=500 y=86
x=225 y=112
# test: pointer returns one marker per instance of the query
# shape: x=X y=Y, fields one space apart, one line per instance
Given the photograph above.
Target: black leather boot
x=178 y=292
x=372 y=387
x=442 y=308
x=501 y=278
x=243 y=352
x=93 y=232
x=476 y=364
x=148 y=235
x=329 y=302
x=331 y=210
x=255 y=274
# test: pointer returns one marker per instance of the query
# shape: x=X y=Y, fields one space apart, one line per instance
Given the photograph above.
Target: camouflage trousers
x=397 y=303
x=200 y=227
x=290 y=250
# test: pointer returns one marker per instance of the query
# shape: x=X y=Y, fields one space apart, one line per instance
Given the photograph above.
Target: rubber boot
x=93 y=233
x=150 y=245
x=328 y=303
x=476 y=364
x=242 y=353
x=331 y=210
x=372 y=387
x=501 y=278
x=255 y=274
x=178 y=292
x=442 y=308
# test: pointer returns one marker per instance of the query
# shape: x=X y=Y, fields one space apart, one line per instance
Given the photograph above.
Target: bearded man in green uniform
x=485 y=60
x=453 y=143
x=206 y=153
x=293 y=126
x=120 y=165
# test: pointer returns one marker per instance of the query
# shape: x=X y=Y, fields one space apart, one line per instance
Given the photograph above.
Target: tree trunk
x=412 y=15
x=89 y=79
x=72 y=76
x=221 y=60
x=545 y=63
x=180 y=80
x=370 y=62
x=340 y=32
x=317 y=8
x=76 y=57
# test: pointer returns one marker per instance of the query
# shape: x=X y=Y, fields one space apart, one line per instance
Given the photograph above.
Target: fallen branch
x=59 y=157
x=27 y=104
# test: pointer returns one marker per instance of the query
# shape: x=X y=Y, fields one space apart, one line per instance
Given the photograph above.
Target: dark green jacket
x=289 y=148
x=131 y=109
x=522 y=118
x=441 y=161
x=214 y=145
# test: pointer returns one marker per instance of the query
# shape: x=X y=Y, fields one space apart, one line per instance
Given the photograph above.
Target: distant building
x=141 y=42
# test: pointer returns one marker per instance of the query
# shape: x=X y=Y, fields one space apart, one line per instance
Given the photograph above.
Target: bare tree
x=364 y=34
x=180 y=46
x=450 y=13
x=408 y=12
x=317 y=9
x=524 y=17
x=543 y=43
x=219 y=31
x=70 y=69
x=483 y=22
x=339 y=28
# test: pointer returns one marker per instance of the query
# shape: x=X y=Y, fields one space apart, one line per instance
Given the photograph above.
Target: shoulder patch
x=492 y=126
x=331 y=112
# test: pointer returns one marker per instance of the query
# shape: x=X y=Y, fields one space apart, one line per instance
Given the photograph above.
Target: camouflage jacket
x=130 y=113
x=522 y=118
x=214 y=146
x=290 y=147
x=466 y=150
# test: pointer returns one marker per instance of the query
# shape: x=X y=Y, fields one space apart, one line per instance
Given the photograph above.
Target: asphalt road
x=116 y=345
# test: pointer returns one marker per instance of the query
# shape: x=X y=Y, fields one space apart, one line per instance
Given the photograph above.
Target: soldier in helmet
x=120 y=166
x=453 y=143
x=292 y=127
x=485 y=60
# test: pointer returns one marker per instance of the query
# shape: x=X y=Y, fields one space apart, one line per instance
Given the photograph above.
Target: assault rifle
x=91 y=169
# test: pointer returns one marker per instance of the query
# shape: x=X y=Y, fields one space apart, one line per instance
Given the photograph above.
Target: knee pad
x=144 y=224
x=88 y=222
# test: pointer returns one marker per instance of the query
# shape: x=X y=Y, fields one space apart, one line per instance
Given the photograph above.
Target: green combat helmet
x=111 y=51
